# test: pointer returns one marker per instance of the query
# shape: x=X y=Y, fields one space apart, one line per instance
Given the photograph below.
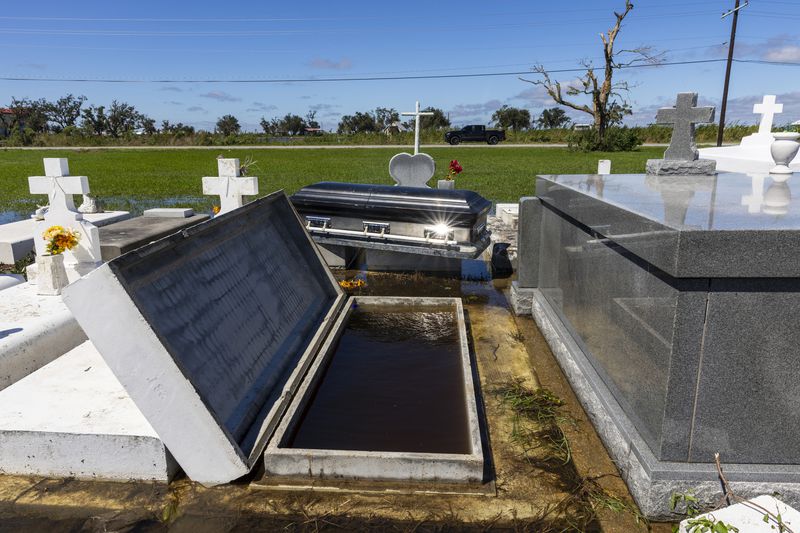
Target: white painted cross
x=768 y=108
x=417 y=113
x=229 y=185
x=59 y=186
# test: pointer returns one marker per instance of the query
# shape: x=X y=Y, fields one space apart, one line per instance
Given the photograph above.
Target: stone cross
x=59 y=186
x=417 y=113
x=683 y=117
x=768 y=108
x=229 y=185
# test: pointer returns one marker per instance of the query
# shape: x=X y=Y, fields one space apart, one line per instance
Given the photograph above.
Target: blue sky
x=200 y=40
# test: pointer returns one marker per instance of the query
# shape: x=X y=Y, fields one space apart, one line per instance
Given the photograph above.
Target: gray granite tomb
x=674 y=312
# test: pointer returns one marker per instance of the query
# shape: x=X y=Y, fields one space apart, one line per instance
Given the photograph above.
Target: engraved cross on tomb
x=229 y=185
x=683 y=118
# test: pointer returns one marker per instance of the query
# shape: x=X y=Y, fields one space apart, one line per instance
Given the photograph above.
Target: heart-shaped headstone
x=412 y=170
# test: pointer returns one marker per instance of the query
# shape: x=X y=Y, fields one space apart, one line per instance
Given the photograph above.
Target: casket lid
x=210 y=330
x=391 y=202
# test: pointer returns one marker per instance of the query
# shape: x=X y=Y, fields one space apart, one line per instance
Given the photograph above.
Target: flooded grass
x=159 y=176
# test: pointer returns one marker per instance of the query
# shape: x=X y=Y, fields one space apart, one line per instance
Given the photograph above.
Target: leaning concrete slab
x=72 y=418
x=211 y=329
x=34 y=330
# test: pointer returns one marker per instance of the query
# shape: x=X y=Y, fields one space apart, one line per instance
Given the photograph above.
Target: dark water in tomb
x=394 y=383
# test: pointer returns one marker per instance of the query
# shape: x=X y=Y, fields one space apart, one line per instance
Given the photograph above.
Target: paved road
x=292 y=147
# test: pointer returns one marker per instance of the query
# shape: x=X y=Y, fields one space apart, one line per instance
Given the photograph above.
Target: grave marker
x=681 y=157
x=413 y=170
x=59 y=187
x=229 y=185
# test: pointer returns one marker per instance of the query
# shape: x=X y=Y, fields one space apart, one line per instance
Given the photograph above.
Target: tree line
x=70 y=114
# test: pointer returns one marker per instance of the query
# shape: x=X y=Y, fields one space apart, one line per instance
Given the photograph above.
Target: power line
x=343 y=79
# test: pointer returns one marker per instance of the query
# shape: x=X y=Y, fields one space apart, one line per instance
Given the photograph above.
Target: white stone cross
x=229 y=185
x=59 y=186
x=417 y=113
x=768 y=108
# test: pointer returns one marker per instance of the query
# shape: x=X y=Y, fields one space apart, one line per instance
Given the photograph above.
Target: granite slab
x=684 y=226
x=130 y=234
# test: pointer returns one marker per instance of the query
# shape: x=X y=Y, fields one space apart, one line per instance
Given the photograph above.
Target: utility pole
x=731 y=43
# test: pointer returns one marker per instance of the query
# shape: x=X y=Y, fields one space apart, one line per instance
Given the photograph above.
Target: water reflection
x=774 y=201
x=677 y=193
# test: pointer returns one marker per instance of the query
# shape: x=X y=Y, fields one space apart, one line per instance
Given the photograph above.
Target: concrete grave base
x=748 y=516
x=749 y=159
x=169 y=212
x=16 y=238
x=72 y=418
x=651 y=481
x=668 y=167
x=322 y=463
x=337 y=256
x=34 y=330
x=521 y=299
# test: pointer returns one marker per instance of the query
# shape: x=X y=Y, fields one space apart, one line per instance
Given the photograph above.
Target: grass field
x=138 y=179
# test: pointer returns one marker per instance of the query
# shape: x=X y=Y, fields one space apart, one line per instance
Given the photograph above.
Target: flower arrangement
x=215 y=210
x=60 y=239
x=354 y=283
x=454 y=170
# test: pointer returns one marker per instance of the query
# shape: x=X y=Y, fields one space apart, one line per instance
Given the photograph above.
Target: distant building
x=7 y=117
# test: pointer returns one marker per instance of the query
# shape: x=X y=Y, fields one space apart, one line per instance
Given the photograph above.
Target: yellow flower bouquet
x=60 y=239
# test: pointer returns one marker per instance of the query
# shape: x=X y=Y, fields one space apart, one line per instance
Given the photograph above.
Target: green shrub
x=622 y=139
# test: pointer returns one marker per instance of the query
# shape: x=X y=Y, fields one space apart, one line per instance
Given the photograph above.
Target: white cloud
x=221 y=96
x=788 y=53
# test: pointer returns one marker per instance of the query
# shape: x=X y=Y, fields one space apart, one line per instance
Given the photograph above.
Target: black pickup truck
x=475 y=134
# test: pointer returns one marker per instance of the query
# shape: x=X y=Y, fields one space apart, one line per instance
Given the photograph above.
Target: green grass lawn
x=139 y=179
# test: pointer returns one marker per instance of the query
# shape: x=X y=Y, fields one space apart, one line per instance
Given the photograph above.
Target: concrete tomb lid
x=211 y=329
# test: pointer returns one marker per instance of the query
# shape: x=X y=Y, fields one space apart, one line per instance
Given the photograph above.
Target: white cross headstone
x=413 y=170
x=229 y=185
x=768 y=108
x=416 y=114
x=59 y=187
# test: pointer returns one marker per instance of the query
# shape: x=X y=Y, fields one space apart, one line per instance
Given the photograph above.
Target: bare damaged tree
x=608 y=103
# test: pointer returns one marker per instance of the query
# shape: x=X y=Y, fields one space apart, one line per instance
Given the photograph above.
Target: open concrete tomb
x=232 y=335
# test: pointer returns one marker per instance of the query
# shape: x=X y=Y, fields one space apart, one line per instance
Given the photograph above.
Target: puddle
x=22 y=208
x=394 y=383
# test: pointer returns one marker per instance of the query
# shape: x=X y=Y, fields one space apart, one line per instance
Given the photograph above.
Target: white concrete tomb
x=72 y=418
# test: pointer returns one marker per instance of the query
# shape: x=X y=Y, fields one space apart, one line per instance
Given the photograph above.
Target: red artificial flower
x=455 y=167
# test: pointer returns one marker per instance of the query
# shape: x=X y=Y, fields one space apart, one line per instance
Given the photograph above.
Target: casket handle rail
x=438 y=234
